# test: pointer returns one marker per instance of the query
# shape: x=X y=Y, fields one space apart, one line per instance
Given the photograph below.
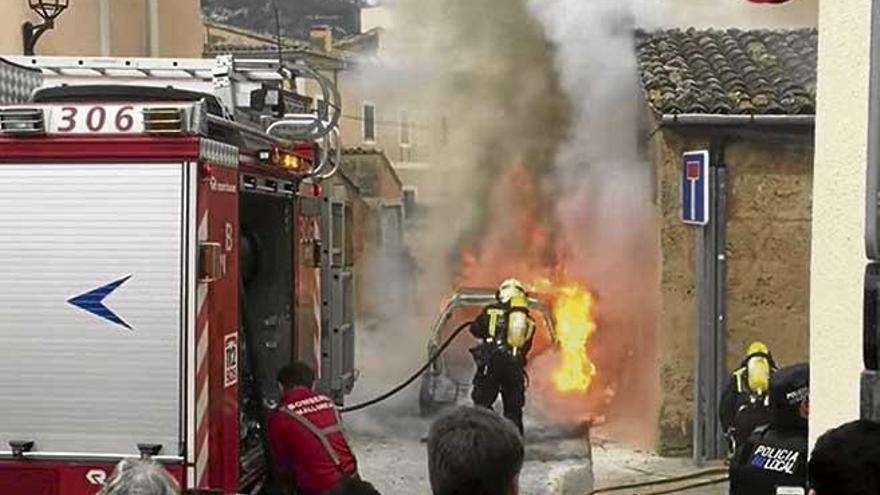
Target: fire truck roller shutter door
x=90 y=347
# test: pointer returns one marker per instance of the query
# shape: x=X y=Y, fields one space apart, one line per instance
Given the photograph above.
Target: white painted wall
x=732 y=13
x=379 y=16
x=838 y=258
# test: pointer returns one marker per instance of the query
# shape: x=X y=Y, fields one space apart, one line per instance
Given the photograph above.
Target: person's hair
x=140 y=477
x=296 y=374
x=473 y=451
x=353 y=486
x=846 y=460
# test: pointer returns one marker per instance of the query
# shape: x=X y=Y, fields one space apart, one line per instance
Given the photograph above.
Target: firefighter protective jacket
x=491 y=328
x=308 y=442
x=740 y=410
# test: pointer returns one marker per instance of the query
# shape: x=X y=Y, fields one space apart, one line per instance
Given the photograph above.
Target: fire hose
x=670 y=480
x=363 y=405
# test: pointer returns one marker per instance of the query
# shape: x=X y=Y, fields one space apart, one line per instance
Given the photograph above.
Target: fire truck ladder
x=247 y=88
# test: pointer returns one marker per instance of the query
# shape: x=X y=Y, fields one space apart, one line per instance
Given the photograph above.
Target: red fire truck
x=165 y=247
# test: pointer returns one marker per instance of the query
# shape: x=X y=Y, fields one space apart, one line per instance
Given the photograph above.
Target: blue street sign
x=695 y=187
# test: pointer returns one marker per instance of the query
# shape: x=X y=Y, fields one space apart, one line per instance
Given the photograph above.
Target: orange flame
x=573 y=312
x=516 y=244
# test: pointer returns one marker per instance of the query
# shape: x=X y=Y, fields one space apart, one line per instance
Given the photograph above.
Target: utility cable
x=662 y=481
x=413 y=377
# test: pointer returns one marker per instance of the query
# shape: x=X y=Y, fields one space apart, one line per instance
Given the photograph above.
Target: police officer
x=505 y=330
x=745 y=403
x=775 y=456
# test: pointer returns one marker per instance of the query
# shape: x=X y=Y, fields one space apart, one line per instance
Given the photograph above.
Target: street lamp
x=48 y=10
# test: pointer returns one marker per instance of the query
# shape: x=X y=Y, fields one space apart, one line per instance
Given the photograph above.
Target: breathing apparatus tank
x=520 y=327
x=758 y=368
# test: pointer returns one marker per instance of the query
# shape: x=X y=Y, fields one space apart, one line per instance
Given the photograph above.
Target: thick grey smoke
x=550 y=87
x=482 y=70
x=603 y=184
x=479 y=75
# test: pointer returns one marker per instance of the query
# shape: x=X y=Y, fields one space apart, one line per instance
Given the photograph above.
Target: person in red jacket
x=306 y=435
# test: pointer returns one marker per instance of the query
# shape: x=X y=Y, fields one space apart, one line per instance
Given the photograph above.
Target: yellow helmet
x=758 y=367
x=757 y=347
x=509 y=288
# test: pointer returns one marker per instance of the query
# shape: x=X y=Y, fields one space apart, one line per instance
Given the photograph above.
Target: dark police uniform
x=774 y=457
x=500 y=368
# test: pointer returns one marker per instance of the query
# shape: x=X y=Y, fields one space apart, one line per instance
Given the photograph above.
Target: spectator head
x=790 y=396
x=353 y=486
x=846 y=460
x=140 y=477
x=473 y=451
x=298 y=374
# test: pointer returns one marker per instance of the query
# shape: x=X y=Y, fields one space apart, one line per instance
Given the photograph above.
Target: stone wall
x=678 y=312
x=768 y=248
x=768 y=239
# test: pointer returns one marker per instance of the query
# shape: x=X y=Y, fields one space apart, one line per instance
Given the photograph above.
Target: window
x=369 y=121
x=409 y=201
x=391 y=227
x=404 y=129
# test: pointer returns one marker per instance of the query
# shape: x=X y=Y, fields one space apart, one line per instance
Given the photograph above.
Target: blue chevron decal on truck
x=93 y=302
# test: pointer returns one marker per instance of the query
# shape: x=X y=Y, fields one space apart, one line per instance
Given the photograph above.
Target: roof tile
x=729 y=71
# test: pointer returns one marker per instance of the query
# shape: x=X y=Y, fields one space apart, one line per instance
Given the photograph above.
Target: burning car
x=448 y=380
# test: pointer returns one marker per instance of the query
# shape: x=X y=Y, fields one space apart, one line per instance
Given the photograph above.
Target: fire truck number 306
x=96 y=119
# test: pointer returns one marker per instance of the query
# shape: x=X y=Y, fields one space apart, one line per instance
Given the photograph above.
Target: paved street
x=614 y=464
x=392 y=456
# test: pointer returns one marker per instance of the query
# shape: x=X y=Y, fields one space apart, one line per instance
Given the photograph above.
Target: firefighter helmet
x=757 y=347
x=509 y=288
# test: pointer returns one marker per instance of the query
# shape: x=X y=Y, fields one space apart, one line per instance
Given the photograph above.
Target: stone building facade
x=751 y=95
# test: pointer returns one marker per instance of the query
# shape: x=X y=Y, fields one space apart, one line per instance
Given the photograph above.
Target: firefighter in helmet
x=505 y=330
x=745 y=401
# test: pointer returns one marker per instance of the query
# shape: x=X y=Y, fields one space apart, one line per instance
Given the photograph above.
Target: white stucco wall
x=380 y=16
x=838 y=258
x=732 y=13
x=81 y=31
